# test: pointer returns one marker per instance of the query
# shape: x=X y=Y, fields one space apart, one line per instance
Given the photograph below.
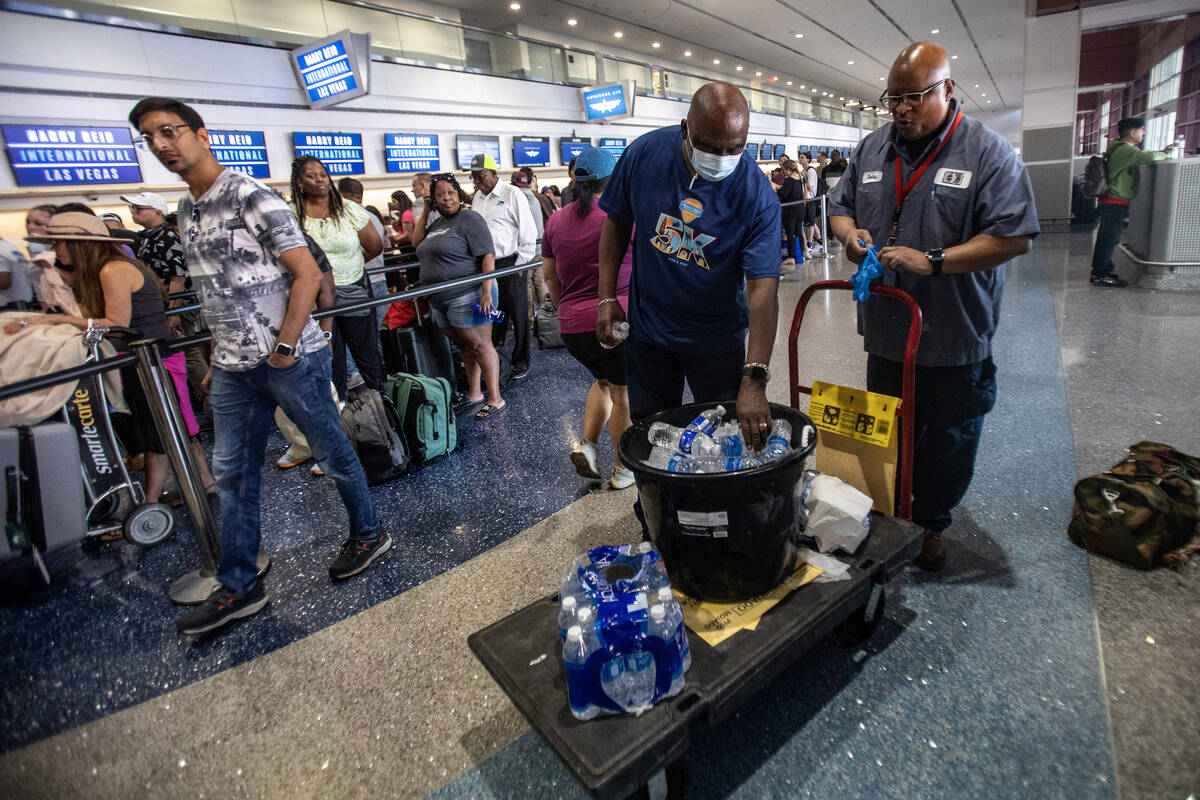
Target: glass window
x=1164 y=79
x=1160 y=132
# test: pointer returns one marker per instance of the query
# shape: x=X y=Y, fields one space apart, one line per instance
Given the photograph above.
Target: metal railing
x=822 y=199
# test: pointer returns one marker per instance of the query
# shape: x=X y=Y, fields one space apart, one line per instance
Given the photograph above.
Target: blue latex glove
x=868 y=270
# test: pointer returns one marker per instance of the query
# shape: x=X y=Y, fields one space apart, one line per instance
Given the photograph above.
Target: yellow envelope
x=716 y=622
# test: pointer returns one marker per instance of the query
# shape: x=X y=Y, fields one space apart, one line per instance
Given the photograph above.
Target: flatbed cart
x=626 y=756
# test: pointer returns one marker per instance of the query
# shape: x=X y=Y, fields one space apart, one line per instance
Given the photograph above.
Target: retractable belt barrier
x=824 y=217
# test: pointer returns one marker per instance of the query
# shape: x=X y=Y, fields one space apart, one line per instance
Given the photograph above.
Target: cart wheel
x=106 y=509
x=669 y=783
x=862 y=623
x=149 y=524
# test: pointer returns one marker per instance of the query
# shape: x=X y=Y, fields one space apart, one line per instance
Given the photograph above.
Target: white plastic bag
x=839 y=516
x=832 y=570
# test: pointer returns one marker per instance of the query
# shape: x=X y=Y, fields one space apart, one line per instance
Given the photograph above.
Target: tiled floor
x=997 y=677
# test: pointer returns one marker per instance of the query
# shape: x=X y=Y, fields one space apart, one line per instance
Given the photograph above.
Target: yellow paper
x=716 y=622
x=856 y=413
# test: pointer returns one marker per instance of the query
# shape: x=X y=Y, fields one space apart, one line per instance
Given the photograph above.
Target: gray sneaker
x=357 y=555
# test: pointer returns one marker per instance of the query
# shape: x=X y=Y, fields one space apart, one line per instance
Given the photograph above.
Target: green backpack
x=1144 y=511
x=426 y=416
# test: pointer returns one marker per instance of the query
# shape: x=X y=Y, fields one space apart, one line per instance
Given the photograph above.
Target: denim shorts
x=460 y=311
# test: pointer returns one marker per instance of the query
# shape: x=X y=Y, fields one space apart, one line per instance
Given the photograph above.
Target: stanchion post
x=168 y=420
x=824 y=226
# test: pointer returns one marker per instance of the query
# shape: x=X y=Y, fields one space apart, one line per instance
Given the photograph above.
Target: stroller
x=113 y=498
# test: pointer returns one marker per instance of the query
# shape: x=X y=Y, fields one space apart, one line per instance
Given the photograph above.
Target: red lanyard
x=903 y=189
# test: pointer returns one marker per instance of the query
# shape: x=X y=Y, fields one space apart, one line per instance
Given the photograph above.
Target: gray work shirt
x=977 y=184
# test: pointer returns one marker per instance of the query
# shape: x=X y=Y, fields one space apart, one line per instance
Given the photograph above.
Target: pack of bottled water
x=624 y=644
x=710 y=443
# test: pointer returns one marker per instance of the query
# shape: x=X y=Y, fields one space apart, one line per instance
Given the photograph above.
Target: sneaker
x=622 y=478
x=1110 y=280
x=583 y=456
x=291 y=459
x=357 y=555
x=520 y=372
x=221 y=608
x=933 y=552
x=316 y=470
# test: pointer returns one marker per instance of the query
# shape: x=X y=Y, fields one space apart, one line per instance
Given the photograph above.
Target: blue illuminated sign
x=54 y=155
x=468 y=145
x=412 y=152
x=329 y=70
x=605 y=102
x=752 y=149
x=614 y=146
x=241 y=151
x=571 y=147
x=531 y=151
x=780 y=149
x=342 y=153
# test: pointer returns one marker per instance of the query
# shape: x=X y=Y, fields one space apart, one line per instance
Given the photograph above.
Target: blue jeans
x=1112 y=222
x=243 y=407
x=950 y=405
x=655 y=377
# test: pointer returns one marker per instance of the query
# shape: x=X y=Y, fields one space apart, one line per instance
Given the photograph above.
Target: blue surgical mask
x=712 y=167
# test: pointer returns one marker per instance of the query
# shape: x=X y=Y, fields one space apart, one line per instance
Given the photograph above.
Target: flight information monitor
x=611 y=101
x=412 y=152
x=334 y=69
x=614 y=146
x=570 y=147
x=57 y=155
x=342 y=153
x=531 y=151
x=241 y=151
x=470 y=144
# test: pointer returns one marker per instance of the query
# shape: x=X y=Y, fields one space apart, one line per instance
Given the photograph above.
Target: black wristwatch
x=756 y=371
x=285 y=350
x=936 y=258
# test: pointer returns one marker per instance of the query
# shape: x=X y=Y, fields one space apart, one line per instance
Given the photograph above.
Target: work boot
x=933 y=552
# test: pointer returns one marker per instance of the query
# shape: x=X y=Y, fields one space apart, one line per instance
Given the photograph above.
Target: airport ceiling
x=841 y=46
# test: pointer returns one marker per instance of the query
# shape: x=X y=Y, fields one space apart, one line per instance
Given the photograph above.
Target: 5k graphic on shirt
x=675 y=237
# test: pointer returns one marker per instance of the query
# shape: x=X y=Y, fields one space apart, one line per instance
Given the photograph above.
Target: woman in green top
x=342 y=229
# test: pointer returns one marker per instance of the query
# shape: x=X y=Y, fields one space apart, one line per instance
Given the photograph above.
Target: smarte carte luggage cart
x=623 y=755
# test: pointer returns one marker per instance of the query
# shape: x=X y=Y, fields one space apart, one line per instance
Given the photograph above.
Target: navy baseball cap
x=594 y=163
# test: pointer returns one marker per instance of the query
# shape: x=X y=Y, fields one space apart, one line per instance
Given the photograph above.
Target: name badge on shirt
x=872 y=177
x=954 y=178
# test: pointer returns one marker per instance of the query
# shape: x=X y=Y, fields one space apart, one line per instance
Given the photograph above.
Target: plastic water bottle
x=673 y=440
x=496 y=316
x=620 y=332
x=566 y=614
x=660 y=625
x=723 y=464
x=779 y=443
x=669 y=459
x=675 y=614
x=579 y=645
x=628 y=680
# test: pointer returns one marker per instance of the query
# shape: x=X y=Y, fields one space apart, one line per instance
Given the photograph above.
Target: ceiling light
x=989 y=102
x=789 y=83
x=983 y=95
x=850 y=62
x=716 y=61
x=758 y=74
x=572 y=21
x=841 y=98
x=515 y=6
x=883 y=78
x=814 y=91
x=687 y=52
x=977 y=86
x=738 y=67
x=936 y=31
x=802 y=86
x=618 y=34
x=799 y=35
x=852 y=103
x=656 y=45
x=954 y=58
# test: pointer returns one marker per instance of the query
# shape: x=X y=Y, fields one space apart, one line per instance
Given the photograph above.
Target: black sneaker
x=520 y=372
x=221 y=608
x=357 y=555
x=1109 y=280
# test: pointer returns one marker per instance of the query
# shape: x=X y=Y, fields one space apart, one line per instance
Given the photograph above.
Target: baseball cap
x=594 y=163
x=482 y=161
x=520 y=179
x=147 y=200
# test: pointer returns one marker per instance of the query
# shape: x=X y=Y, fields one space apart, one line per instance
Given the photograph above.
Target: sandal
x=466 y=402
x=489 y=411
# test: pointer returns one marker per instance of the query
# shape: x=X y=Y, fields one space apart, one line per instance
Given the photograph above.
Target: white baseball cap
x=147 y=200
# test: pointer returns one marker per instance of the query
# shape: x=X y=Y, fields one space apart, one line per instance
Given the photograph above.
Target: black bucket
x=723 y=536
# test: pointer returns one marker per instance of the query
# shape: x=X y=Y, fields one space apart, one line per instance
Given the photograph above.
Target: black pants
x=655 y=377
x=950 y=405
x=361 y=335
x=791 y=230
x=1112 y=223
x=514 y=302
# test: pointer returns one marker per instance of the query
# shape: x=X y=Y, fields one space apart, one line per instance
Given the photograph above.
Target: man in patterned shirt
x=257 y=283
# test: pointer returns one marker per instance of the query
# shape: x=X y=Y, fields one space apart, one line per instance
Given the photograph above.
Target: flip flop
x=467 y=403
x=489 y=411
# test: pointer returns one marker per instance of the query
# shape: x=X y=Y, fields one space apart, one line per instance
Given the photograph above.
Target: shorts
x=605 y=365
x=459 y=312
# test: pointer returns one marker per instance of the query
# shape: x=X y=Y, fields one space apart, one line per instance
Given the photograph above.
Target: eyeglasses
x=168 y=133
x=911 y=99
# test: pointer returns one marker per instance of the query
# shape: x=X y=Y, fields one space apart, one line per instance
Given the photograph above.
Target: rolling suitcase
x=418 y=349
x=41 y=491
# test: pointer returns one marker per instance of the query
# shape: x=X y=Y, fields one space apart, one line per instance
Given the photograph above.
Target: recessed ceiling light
x=851 y=62
x=936 y=31
x=687 y=52
x=789 y=83
x=738 y=67
x=716 y=61
x=572 y=21
x=515 y=6
x=989 y=102
x=977 y=86
x=799 y=35
x=883 y=78
x=758 y=74
x=841 y=98
x=802 y=86
x=954 y=58
x=618 y=34
x=656 y=45
x=983 y=94
x=814 y=91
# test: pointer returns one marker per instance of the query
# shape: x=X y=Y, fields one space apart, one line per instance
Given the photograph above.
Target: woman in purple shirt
x=570 y=262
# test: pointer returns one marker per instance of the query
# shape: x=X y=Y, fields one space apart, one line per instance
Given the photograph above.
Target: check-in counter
x=1162 y=243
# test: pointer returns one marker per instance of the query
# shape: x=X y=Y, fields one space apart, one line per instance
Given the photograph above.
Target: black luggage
x=418 y=349
x=373 y=428
x=41 y=492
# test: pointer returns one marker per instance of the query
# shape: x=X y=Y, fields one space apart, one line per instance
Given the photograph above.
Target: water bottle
x=620 y=332
x=579 y=645
x=669 y=459
x=496 y=316
x=628 y=680
x=672 y=439
x=675 y=614
x=566 y=615
x=722 y=464
x=779 y=443
x=660 y=626
x=1177 y=148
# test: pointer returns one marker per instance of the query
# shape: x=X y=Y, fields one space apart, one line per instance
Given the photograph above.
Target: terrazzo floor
x=1019 y=671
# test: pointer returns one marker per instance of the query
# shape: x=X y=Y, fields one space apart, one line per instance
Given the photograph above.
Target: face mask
x=712 y=167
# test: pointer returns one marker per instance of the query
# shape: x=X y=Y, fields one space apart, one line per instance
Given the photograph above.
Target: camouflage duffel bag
x=1144 y=511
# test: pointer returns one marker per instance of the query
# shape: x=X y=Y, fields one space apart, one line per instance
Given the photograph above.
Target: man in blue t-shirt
x=705 y=263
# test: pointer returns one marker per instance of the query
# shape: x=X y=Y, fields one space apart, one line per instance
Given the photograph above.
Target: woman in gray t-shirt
x=454 y=244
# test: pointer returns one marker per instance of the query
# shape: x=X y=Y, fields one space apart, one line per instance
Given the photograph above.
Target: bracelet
x=607 y=300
